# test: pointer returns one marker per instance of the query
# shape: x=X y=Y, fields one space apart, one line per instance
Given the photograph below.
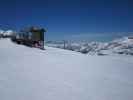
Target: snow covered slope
x=55 y=74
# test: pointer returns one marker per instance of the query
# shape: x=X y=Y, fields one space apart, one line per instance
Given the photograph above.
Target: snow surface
x=56 y=74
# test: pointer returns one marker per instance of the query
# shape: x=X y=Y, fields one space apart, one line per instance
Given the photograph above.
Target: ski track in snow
x=55 y=74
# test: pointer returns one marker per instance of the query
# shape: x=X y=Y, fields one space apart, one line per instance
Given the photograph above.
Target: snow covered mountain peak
x=124 y=40
x=6 y=32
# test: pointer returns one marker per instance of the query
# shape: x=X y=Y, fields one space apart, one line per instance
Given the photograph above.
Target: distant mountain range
x=118 y=46
x=6 y=33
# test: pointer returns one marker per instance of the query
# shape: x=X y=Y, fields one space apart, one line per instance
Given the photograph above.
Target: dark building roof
x=33 y=29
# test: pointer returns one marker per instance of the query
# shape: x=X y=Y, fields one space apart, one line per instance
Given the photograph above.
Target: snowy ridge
x=118 y=46
x=57 y=74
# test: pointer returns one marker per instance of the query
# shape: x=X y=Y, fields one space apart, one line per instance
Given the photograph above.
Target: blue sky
x=65 y=19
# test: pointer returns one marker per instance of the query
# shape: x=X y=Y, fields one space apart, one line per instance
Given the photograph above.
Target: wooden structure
x=32 y=36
